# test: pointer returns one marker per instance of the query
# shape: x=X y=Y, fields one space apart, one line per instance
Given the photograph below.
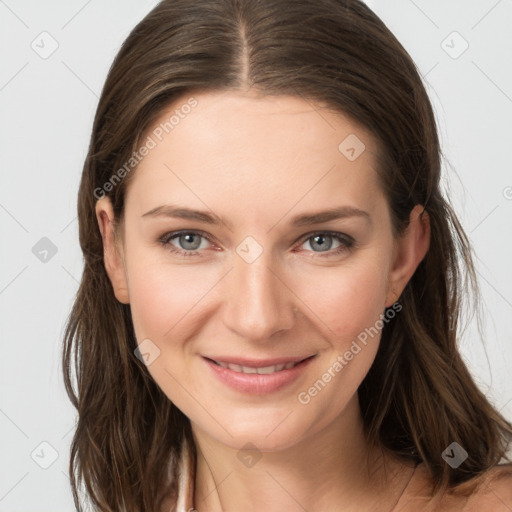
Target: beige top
x=493 y=497
x=186 y=478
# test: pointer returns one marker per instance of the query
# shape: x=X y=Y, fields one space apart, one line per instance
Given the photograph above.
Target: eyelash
x=347 y=242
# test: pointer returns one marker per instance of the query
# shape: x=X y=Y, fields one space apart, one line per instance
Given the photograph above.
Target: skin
x=256 y=163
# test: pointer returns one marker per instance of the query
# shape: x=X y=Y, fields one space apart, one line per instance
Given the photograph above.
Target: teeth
x=243 y=369
x=265 y=370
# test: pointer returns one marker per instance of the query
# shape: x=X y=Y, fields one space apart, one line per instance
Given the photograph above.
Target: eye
x=328 y=243
x=192 y=243
x=186 y=243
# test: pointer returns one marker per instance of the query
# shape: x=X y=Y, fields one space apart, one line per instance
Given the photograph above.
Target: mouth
x=257 y=376
x=261 y=368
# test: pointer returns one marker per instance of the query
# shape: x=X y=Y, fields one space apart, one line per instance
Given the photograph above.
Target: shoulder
x=494 y=494
x=490 y=492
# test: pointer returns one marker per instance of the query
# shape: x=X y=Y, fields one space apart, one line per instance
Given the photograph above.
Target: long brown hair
x=418 y=396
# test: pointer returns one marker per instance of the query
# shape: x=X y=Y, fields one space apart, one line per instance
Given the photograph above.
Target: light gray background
x=47 y=107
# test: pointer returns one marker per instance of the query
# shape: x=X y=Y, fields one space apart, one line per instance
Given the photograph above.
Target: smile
x=263 y=370
x=256 y=376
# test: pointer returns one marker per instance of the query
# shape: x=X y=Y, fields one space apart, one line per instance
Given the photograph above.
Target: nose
x=258 y=302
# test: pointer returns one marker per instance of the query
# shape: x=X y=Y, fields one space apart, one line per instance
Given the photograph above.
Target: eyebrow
x=306 y=219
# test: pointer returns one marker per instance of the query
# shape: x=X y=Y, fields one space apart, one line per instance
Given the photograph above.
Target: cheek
x=349 y=308
x=163 y=297
x=349 y=299
x=168 y=300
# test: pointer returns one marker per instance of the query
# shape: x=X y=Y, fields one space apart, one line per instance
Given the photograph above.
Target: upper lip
x=257 y=363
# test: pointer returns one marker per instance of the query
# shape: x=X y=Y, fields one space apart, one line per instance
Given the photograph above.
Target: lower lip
x=255 y=383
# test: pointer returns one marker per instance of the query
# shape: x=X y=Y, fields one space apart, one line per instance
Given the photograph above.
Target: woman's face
x=255 y=236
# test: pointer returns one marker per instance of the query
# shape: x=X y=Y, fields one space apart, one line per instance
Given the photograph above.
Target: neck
x=332 y=468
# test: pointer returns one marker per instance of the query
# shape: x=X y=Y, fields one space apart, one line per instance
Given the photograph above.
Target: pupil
x=321 y=242
x=187 y=241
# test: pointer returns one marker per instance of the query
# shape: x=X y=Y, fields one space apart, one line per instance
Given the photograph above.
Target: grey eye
x=321 y=243
x=189 y=241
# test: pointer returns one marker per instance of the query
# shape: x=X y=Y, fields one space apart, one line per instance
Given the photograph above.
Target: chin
x=266 y=429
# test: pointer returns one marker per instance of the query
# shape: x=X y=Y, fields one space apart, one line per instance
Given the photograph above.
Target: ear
x=112 y=250
x=410 y=249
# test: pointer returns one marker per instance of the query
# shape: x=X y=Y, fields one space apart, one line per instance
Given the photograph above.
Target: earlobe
x=410 y=250
x=112 y=253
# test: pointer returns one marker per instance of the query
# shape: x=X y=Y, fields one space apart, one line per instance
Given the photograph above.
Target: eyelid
x=335 y=234
x=173 y=234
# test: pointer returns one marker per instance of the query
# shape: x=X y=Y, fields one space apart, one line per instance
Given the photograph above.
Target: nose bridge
x=258 y=304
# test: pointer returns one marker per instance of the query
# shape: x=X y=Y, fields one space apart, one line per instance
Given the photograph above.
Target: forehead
x=253 y=150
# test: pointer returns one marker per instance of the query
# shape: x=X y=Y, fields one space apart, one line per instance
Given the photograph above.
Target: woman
x=267 y=318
